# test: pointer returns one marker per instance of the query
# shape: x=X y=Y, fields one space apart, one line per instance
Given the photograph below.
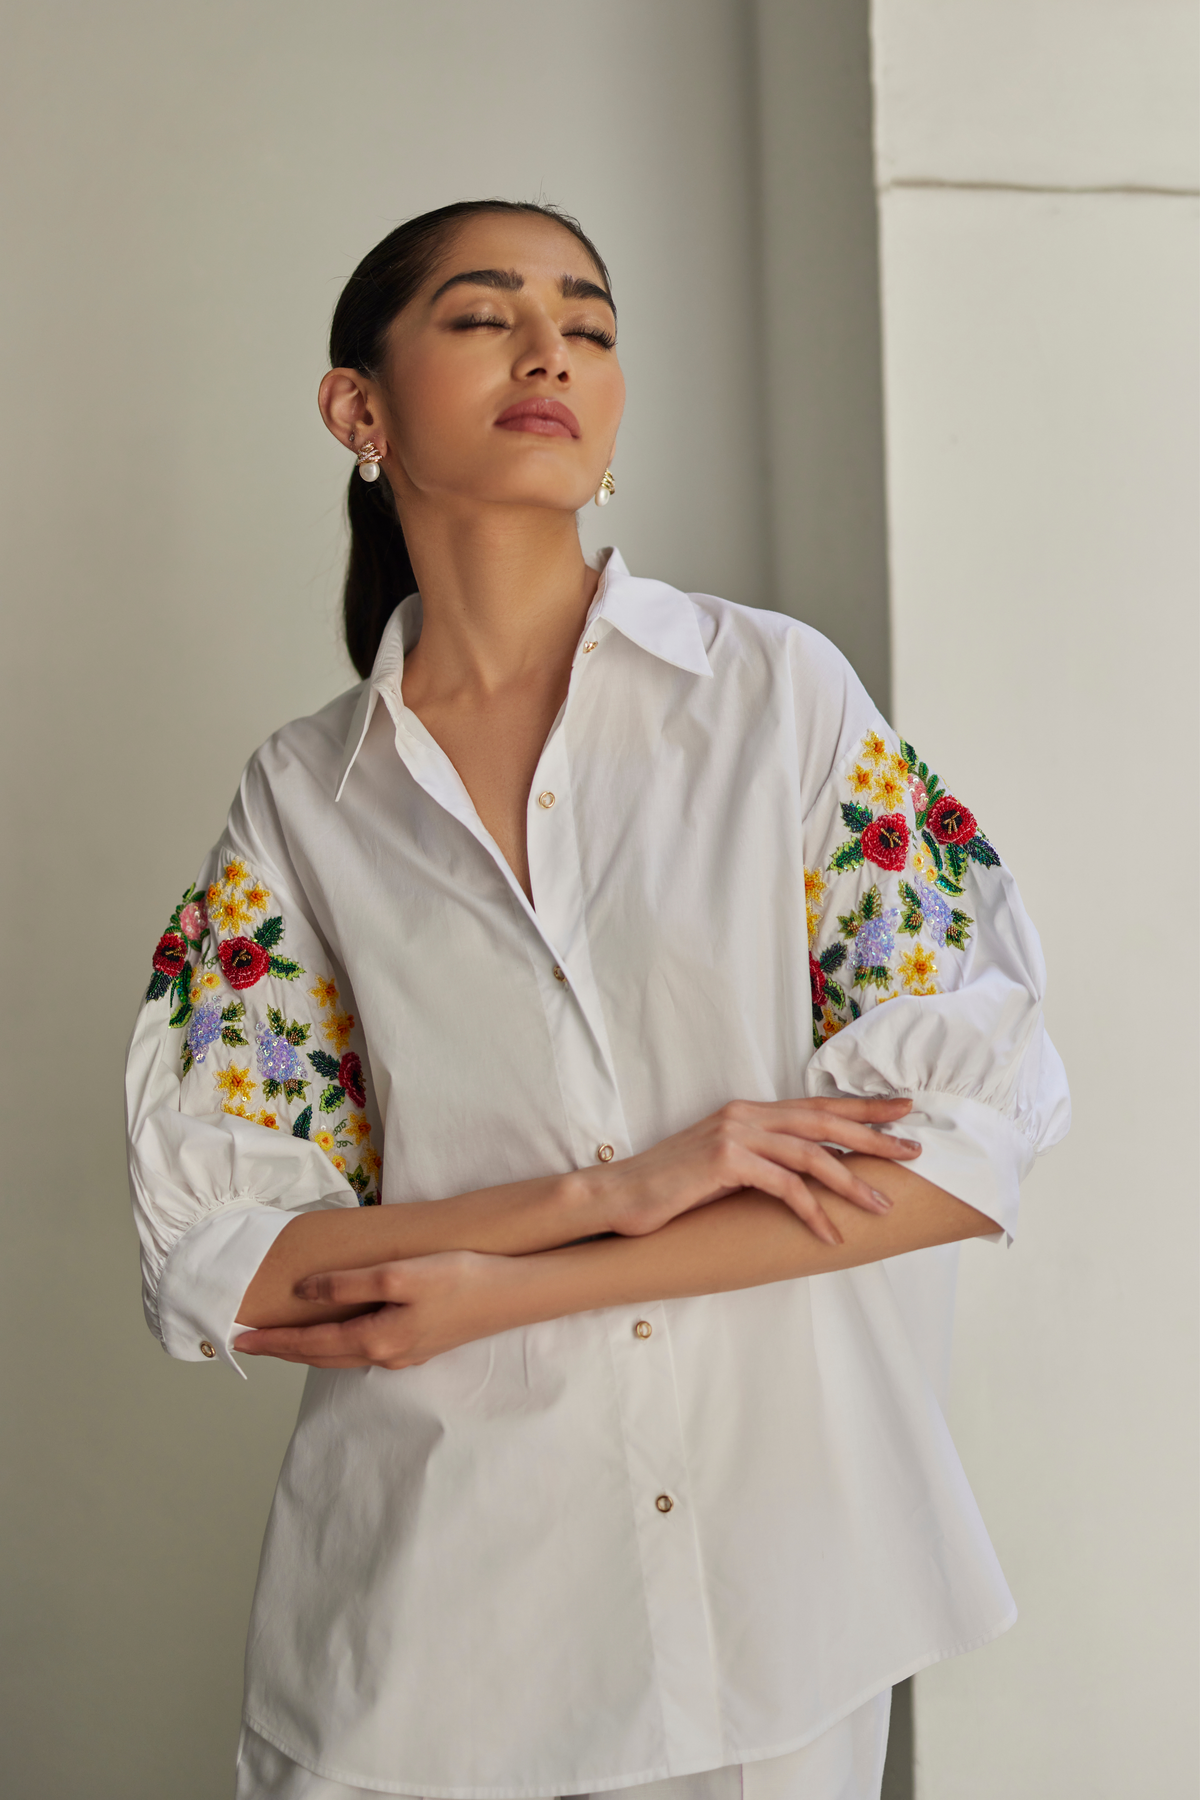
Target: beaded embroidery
x=226 y=938
x=902 y=822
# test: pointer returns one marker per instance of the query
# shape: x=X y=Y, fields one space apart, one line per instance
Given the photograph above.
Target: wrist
x=582 y=1202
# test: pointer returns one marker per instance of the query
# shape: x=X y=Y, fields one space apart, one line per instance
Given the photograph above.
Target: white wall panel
x=1042 y=464
x=1038 y=92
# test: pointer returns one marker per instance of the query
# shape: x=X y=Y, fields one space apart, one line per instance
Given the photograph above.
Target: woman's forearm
x=746 y=1241
x=514 y=1220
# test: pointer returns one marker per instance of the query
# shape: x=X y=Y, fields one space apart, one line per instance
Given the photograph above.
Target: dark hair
x=378 y=572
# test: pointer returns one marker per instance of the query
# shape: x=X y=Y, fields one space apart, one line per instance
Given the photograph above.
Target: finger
x=830 y=1170
x=387 y=1283
x=880 y=1107
x=835 y=1128
x=346 y=1337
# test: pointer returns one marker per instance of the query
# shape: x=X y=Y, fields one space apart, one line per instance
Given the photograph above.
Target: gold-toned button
x=605 y=1153
x=206 y=1348
x=590 y=645
x=559 y=976
x=643 y=1328
x=546 y=800
x=664 y=1503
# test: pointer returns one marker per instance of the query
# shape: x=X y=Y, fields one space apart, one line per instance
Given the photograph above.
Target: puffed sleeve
x=247 y=1099
x=927 y=974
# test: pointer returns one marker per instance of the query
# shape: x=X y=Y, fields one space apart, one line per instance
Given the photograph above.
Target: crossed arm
x=749 y=1196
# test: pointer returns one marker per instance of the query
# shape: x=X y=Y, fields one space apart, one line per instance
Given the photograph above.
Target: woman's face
x=502 y=383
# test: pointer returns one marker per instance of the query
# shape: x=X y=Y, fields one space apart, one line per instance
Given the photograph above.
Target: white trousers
x=844 y=1763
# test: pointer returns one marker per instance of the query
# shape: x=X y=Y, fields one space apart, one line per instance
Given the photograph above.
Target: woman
x=571 y=928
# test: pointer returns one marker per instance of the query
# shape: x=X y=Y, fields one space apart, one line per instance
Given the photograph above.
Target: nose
x=544 y=352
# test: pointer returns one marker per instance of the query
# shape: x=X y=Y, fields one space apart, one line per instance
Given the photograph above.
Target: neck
x=504 y=593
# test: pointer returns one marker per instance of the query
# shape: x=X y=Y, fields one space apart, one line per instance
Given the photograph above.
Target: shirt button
x=643 y=1328
x=206 y=1348
x=590 y=645
x=604 y=1153
x=559 y=976
x=664 y=1503
x=546 y=800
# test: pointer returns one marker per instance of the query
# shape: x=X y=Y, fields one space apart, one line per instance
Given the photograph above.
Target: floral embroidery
x=227 y=937
x=930 y=849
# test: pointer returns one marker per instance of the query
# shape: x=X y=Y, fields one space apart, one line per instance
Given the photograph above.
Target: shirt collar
x=657 y=618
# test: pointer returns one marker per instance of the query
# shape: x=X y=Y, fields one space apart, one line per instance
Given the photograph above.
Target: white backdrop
x=1038 y=176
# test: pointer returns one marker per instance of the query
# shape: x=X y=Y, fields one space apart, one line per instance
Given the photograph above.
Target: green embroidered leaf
x=297 y=1033
x=271 y=1088
x=957 y=932
x=287 y=971
x=909 y=754
x=276 y=1021
x=956 y=860
x=855 y=1008
x=933 y=847
x=835 y=994
x=833 y=958
x=303 y=1123
x=911 y=916
x=980 y=851
x=323 y=1063
x=234 y=1037
x=848 y=924
x=877 y=976
x=160 y=984
x=295 y=1090
x=857 y=818
x=817 y=1038
x=847 y=856
x=332 y=1098
x=269 y=933
x=235 y=1010
x=358 y=1178
x=189 y=893
x=181 y=1015
x=946 y=885
x=186 y=1058
x=872 y=902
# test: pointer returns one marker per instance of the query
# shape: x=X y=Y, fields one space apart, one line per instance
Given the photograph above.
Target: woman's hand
x=422 y=1307
x=769 y=1146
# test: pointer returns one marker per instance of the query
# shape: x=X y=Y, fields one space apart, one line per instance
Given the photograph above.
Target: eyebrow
x=571 y=287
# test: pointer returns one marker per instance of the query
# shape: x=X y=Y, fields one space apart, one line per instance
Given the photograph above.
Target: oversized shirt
x=640 y=1541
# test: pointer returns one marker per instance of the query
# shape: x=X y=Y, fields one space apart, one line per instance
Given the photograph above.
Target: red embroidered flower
x=885 y=841
x=243 y=961
x=816 y=976
x=351 y=1077
x=950 y=822
x=170 y=954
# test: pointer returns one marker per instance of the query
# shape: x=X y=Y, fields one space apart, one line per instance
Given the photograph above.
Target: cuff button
x=206 y=1348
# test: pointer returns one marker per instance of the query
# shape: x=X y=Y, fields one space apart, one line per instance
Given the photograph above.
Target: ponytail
x=378 y=572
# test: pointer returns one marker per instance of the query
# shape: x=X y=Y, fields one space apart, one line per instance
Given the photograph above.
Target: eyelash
x=596 y=336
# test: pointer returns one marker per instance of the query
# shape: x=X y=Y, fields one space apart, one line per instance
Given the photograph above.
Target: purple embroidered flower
x=204 y=1028
x=277 y=1060
x=875 y=940
x=936 y=913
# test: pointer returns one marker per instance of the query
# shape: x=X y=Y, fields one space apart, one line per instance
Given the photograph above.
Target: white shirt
x=469 y=1585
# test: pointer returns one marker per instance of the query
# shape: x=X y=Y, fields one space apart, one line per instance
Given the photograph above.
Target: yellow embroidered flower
x=860 y=780
x=203 y=980
x=337 y=1030
x=831 y=1024
x=339 y=1163
x=229 y=911
x=238 y=1111
x=918 y=967
x=873 y=749
x=372 y=1161
x=235 y=870
x=814 y=886
x=923 y=865
x=325 y=1140
x=888 y=790
x=269 y=1119
x=359 y=1127
x=258 y=897
x=899 y=766
x=325 y=993
x=235 y=1082
x=814 y=925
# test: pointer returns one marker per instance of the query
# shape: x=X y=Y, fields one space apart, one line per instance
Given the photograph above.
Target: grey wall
x=183 y=190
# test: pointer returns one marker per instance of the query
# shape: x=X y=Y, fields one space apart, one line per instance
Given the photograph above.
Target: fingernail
x=910 y=1144
x=882 y=1199
x=305 y=1288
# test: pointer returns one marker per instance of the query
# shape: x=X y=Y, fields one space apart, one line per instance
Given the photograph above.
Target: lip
x=548 y=418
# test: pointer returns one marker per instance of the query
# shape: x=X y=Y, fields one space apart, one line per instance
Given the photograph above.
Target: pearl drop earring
x=606 y=490
x=369 y=459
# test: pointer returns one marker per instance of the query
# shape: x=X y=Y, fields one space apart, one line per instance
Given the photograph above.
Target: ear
x=350 y=408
